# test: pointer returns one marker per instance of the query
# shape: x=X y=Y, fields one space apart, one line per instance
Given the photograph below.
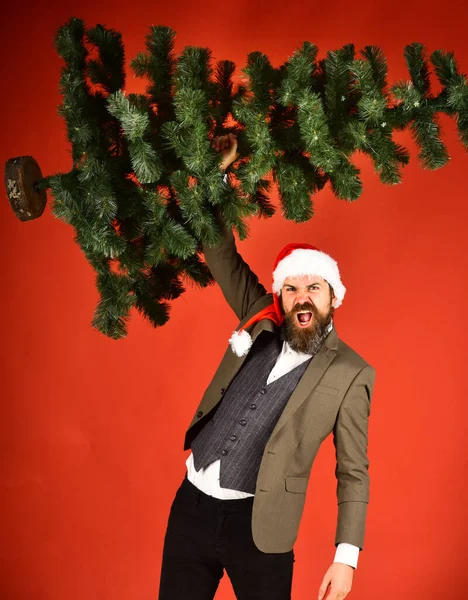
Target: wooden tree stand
x=22 y=174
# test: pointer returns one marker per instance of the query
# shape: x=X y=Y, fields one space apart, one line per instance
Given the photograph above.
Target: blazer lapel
x=236 y=362
x=230 y=367
x=317 y=367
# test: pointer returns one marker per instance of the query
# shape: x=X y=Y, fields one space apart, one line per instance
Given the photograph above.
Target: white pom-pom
x=241 y=342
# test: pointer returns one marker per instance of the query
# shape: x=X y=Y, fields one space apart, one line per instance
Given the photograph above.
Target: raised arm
x=238 y=283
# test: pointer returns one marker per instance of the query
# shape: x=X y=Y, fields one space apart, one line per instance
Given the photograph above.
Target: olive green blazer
x=333 y=396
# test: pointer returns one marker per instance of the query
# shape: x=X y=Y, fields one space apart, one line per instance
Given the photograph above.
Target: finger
x=234 y=140
x=323 y=589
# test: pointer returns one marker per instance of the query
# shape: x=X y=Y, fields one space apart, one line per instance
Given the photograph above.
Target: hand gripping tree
x=145 y=190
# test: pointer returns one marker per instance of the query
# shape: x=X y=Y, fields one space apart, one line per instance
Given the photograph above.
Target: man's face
x=308 y=306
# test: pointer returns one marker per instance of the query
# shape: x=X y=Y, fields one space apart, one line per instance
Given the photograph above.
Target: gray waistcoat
x=240 y=428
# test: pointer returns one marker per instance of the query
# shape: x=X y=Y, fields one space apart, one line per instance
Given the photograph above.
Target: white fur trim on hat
x=241 y=342
x=303 y=261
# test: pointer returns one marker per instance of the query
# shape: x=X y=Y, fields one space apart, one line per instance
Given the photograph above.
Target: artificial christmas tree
x=145 y=189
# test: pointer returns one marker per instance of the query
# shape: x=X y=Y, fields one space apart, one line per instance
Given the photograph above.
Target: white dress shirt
x=207 y=479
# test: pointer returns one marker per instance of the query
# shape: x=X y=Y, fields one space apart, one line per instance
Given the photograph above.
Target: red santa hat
x=294 y=260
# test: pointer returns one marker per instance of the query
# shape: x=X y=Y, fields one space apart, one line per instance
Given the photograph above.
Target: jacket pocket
x=296 y=485
x=323 y=389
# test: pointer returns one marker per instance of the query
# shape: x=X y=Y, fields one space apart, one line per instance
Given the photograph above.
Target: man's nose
x=302 y=297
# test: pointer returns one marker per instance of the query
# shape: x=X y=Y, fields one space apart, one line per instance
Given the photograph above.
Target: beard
x=307 y=339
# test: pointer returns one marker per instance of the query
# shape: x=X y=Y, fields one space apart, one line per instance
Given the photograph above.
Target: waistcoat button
x=242 y=421
x=224 y=452
x=253 y=406
x=263 y=391
x=233 y=438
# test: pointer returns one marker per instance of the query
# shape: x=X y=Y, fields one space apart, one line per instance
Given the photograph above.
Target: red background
x=92 y=429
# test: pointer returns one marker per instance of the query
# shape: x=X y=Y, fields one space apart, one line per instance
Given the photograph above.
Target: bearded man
x=285 y=383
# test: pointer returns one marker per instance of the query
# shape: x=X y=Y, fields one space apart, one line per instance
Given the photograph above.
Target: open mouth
x=304 y=318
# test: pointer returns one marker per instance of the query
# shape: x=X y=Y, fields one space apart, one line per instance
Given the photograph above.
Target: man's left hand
x=338 y=581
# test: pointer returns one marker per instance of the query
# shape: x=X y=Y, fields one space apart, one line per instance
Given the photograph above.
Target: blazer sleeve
x=240 y=286
x=352 y=464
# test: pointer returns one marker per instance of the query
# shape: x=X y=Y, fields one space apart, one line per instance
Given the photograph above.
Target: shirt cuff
x=347 y=554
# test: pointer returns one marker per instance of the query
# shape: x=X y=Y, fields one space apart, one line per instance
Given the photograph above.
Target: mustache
x=305 y=306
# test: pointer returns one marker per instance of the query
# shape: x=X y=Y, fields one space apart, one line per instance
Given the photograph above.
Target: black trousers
x=206 y=536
